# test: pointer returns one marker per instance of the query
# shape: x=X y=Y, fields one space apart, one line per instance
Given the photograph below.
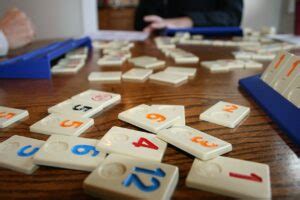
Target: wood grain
x=257 y=139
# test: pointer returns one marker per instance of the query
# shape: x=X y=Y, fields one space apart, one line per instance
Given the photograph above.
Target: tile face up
x=70 y=152
x=16 y=153
x=276 y=66
x=150 y=118
x=194 y=142
x=126 y=178
x=77 y=108
x=102 y=98
x=225 y=114
x=62 y=125
x=231 y=177
x=133 y=143
x=9 y=116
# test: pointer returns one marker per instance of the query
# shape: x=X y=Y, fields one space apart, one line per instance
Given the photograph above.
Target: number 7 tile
x=133 y=143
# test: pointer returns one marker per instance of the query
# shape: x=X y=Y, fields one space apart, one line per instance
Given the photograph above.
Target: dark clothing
x=202 y=12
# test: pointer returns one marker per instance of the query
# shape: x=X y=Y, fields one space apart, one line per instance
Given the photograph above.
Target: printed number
x=101 y=97
x=156 y=117
x=68 y=123
x=293 y=67
x=143 y=142
x=230 y=108
x=251 y=177
x=134 y=179
x=281 y=59
x=7 y=115
x=22 y=152
x=83 y=108
x=82 y=149
x=199 y=140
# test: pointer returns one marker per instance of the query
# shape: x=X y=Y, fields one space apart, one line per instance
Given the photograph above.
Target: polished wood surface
x=256 y=139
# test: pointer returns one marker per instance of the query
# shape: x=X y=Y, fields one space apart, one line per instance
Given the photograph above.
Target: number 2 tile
x=225 y=114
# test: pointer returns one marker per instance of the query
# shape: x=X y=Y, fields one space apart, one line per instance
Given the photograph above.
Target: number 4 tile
x=225 y=114
x=231 y=177
x=16 y=153
x=133 y=143
x=70 y=152
x=126 y=178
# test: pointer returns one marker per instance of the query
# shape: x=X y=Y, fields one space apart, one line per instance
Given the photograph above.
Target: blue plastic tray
x=285 y=114
x=208 y=31
x=37 y=64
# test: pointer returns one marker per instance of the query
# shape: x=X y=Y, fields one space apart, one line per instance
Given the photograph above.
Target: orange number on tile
x=230 y=108
x=6 y=115
x=281 y=59
x=293 y=67
x=205 y=143
x=156 y=117
x=68 y=123
x=143 y=142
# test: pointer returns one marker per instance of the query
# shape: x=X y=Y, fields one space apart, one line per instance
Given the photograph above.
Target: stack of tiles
x=247 y=55
x=8 y=116
x=71 y=117
x=72 y=63
x=147 y=62
x=229 y=64
x=174 y=75
x=283 y=75
x=115 y=52
x=181 y=56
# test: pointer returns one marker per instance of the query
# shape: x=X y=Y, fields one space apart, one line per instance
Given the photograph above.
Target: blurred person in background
x=153 y=15
x=16 y=30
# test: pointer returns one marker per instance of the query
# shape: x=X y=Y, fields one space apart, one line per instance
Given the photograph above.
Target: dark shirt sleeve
x=229 y=13
x=147 y=7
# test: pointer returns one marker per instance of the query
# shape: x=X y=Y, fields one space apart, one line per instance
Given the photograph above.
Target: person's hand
x=157 y=22
x=17 y=28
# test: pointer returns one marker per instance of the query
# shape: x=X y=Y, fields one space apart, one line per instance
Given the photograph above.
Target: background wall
x=278 y=13
x=69 y=18
x=58 y=18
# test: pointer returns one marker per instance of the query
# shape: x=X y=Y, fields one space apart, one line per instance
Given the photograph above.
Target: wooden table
x=257 y=139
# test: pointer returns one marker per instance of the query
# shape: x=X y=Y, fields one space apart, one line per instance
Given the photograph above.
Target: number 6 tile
x=133 y=143
x=70 y=152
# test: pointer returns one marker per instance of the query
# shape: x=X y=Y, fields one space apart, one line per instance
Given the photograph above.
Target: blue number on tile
x=133 y=178
x=22 y=150
x=83 y=149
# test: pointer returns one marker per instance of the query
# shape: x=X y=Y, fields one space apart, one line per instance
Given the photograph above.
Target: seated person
x=152 y=15
x=16 y=30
